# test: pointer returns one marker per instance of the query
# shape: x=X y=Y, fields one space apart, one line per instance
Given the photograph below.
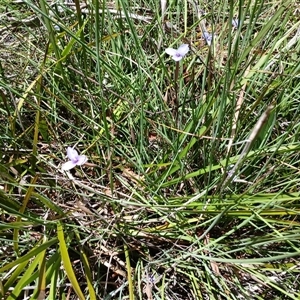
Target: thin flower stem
x=176 y=91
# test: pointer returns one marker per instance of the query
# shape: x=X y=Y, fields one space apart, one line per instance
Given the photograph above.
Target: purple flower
x=151 y=278
x=178 y=54
x=75 y=159
x=235 y=23
x=208 y=37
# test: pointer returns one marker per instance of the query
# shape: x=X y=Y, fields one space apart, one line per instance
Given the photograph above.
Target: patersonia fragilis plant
x=178 y=54
x=75 y=159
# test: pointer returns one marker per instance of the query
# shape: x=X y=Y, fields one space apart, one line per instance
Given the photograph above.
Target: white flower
x=56 y=28
x=75 y=159
x=208 y=37
x=178 y=54
x=235 y=23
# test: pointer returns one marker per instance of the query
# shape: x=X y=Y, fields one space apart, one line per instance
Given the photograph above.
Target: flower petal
x=171 y=51
x=72 y=153
x=81 y=160
x=235 y=23
x=208 y=37
x=68 y=165
x=183 y=49
x=177 y=58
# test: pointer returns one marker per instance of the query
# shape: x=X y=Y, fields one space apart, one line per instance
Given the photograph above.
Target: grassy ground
x=191 y=188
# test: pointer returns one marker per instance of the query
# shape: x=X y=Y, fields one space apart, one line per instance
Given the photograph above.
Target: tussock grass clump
x=186 y=176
